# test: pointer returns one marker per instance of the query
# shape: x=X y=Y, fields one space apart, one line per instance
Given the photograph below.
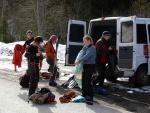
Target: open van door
x=127 y=40
x=76 y=32
x=148 y=42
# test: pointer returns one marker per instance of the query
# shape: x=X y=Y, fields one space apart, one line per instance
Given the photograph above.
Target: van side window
x=141 y=34
x=127 y=32
x=76 y=33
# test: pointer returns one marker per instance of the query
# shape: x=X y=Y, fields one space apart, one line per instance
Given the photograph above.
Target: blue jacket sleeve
x=88 y=54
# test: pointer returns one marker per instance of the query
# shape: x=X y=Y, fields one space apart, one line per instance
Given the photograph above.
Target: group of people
x=94 y=57
x=33 y=57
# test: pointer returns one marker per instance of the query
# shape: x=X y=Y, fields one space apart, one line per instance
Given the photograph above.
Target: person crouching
x=33 y=63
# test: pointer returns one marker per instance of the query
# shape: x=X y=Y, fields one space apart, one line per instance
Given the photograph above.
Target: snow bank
x=61 y=52
x=7 y=49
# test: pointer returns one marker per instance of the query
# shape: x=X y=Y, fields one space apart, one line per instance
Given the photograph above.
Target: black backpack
x=25 y=79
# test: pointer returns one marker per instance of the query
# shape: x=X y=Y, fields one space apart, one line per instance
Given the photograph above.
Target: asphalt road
x=13 y=99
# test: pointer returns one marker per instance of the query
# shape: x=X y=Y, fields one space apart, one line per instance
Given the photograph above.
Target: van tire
x=111 y=79
x=141 y=78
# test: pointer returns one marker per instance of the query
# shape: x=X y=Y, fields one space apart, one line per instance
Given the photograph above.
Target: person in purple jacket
x=88 y=60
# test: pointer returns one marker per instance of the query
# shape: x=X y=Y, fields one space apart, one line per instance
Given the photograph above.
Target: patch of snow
x=8 y=50
x=144 y=89
x=129 y=91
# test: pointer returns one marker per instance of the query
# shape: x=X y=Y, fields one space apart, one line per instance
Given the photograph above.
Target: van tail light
x=145 y=50
x=116 y=52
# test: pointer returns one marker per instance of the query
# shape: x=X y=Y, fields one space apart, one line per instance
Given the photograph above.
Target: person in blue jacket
x=88 y=60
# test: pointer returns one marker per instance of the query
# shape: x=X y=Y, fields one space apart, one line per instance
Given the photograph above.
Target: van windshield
x=127 y=32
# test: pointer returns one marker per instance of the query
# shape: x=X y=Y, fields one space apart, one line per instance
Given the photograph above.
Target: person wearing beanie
x=102 y=52
x=50 y=58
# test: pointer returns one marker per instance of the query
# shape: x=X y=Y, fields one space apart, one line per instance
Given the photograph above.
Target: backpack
x=24 y=80
x=43 y=96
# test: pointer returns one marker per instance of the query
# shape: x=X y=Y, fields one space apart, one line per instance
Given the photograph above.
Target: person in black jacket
x=103 y=49
x=33 y=63
x=29 y=40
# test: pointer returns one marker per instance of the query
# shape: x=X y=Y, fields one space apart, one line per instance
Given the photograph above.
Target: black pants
x=34 y=77
x=86 y=80
x=101 y=75
x=53 y=68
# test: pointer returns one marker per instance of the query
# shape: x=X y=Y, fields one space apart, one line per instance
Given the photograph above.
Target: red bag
x=51 y=98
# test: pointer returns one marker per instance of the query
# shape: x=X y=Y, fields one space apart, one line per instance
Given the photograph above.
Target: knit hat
x=106 y=33
x=53 y=37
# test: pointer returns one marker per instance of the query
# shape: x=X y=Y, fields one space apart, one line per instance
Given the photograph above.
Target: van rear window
x=127 y=32
x=141 y=34
x=76 y=33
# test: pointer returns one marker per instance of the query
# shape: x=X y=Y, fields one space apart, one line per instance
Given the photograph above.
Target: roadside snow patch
x=8 y=50
x=144 y=89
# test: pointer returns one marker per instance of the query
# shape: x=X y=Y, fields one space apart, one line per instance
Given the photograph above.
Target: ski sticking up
x=57 y=44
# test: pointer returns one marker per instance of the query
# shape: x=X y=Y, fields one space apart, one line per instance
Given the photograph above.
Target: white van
x=131 y=37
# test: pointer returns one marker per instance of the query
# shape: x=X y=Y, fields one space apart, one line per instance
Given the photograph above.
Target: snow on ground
x=144 y=89
x=6 y=55
x=7 y=50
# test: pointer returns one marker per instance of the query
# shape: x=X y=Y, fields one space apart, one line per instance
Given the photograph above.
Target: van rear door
x=148 y=41
x=76 y=32
x=126 y=44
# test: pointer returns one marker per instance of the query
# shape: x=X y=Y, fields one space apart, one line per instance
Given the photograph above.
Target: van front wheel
x=141 y=78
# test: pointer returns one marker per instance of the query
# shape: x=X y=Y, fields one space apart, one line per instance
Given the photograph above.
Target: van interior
x=98 y=27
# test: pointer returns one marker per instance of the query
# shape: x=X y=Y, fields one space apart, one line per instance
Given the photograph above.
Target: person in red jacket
x=103 y=49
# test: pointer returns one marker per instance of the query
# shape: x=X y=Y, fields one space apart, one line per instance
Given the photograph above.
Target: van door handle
x=146 y=56
x=123 y=48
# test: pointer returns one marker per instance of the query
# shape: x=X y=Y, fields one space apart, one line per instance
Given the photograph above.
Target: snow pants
x=86 y=80
x=34 y=77
x=53 y=68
